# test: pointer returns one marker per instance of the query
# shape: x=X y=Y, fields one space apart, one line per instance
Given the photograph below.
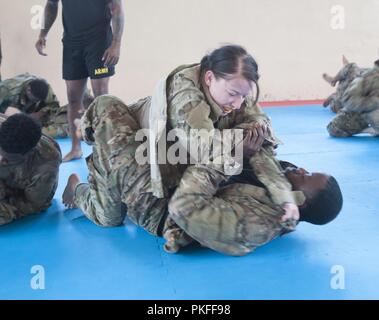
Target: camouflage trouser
x=109 y=126
x=346 y=124
x=116 y=180
x=56 y=130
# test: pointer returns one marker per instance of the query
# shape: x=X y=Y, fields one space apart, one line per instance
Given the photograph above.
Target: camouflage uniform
x=117 y=183
x=360 y=103
x=234 y=219
x=13 y=93
x=183 y=102
x=190 y=106
x=57 y=126
x=344 y=77
x=29 y=187
x=180 y=101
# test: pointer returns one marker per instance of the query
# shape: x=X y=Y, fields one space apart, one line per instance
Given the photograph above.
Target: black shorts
x=83 y=61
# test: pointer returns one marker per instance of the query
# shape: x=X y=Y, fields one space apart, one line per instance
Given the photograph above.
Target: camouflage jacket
x=29 y=187
x=180 y=101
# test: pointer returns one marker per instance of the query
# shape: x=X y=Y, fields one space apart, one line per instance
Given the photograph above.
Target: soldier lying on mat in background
x=34 y=96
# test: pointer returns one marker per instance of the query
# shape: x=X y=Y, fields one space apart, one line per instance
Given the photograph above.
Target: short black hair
x=19 y=134
x=229 y=60
x=325 y=205
x=39 y=88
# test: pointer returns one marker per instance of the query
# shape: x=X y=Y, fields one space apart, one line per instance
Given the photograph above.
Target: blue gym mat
x=83 y=261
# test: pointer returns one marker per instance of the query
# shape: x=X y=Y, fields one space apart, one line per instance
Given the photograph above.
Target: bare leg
x=75 y=93
x=78 y=131
x=68 y=193
x=100 y=86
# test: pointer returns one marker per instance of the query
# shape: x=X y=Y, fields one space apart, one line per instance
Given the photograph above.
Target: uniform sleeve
x=253 y=113
x=37 y=195
x=269 y=172
x=195 y=128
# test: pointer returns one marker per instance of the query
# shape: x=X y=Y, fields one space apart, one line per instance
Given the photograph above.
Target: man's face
x=229 y=94
x=10 y=158
x=30 y=96
x=309 y=183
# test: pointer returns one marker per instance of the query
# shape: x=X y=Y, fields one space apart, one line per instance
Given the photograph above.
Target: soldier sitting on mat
x=356 y=100
x=29 y=167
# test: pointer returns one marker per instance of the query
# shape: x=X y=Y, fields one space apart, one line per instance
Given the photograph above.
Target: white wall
x=292 y=40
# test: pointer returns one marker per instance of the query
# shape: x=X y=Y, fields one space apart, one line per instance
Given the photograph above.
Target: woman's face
x=229 y=93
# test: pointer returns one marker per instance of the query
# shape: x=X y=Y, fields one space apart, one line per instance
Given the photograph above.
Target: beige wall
x=292 y=40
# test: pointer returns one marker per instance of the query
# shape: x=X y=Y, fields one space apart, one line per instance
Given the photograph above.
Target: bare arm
x=51 y=12
x=118 y=20
x=112 y=54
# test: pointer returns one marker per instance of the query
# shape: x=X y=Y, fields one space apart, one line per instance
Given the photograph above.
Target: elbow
x=117 y=9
